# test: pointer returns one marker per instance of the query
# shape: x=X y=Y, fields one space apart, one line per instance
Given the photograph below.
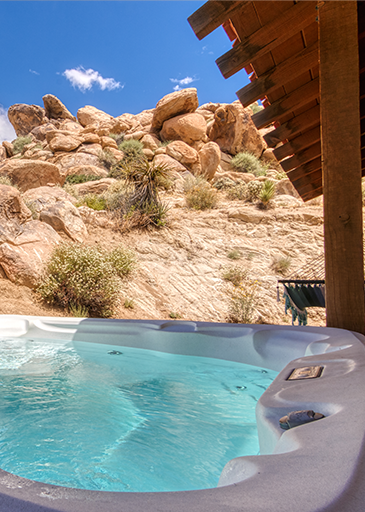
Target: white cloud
x=183 y=81
x=84 y=79
x=7 y=131
x=177 y=88
x=34 y=72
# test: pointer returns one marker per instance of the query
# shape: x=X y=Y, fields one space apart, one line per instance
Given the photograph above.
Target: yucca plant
x=267 y=193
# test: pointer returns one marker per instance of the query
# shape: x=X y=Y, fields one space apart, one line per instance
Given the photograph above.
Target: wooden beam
x=279 y=75
x=342 y=196
x=288 y=103
x=305 y=169
x=294 y=126
x=303 y=141
x=302 y=157
x=268 y=37
x=211 y=15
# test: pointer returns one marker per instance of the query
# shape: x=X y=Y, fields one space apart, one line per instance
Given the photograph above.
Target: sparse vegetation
x=129 y=303
x=5 y=180
x=78 y=311
x=107 y=159
x=267 y=193
x=94 y=201
x=242 y=299
x=254 y=190
x=281 y=264
x=238 y=191
x=174 y=315
x=247 y=162
x=133 y=157
x=32 y=206
x=75 y=179
x=234 y=254
x=255 y=107
x=234 y=274
x=19 y=143
x=199 y=195
x=83 y=279
x=132 y=148
x=118 y=137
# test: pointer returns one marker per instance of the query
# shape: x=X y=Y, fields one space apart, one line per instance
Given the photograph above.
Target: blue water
x=113 y=418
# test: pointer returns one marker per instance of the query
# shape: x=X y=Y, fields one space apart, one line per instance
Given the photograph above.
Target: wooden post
x=341 y=164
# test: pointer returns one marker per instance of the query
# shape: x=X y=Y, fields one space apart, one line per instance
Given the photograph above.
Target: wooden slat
x=313 y=194
x=310 y=188
x=302 y=157
x=299 y=143
x=279 y=75
x=307 y=169
x=295 y=99
x=267 y=38
x=296 y=125
x=308 y=181
x=211 y=15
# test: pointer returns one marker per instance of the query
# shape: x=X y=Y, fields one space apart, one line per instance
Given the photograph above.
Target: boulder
x=210 y=156
x=40 y=132
x=71 y=126
x=184 y=154
x=100 y=218
x=87 y=170
x=3 y=154
x=62 y=142
x=148 y=153
x=150 y=141
x=90 y=115
x=66 y=160
x=145 y=117
x=170 y=163
x=234 y=131
x=174 y=104
x=42 y=197
x=108 y=142
x=245 y=215
x=91 y=149
x=125 y=123
x=119 y=155
x=9 y=150
x=55 y=109
x=12 y=207
x=26 y=117
x=63 y=216
x=91 y=138
x=22 y=257
x=28 y=174
x=285 y=187
x=186 y=127
x=94 y=187
x=138 y=135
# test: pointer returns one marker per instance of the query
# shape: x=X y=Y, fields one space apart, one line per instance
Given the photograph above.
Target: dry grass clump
x=107 y=159
x=94 y=201
x=247 y=162
x=242 y=293
x=281 y=264
x=199 y=195
x=85 y=280
x=234 y=274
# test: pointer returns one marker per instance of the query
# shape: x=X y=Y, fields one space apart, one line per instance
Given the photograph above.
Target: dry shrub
x=199 y=195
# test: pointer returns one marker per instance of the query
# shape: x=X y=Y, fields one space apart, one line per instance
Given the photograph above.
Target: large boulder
x=150 y=141
x=234 y=131
x=61 y=142
x=3 y=154
x=184 y=154
x=94 y=187
x=26 y=117
x=43 y=197
x=174 y=104
x=145 y=117
x=126 y=123
x=210 y=157
x=64 y=217
x=87 y=170
x=90 y=115
x=28 y=174
x=23 y=255
x=41 y=132
x=55 y=109
x=170 y=163
x=186 y=127
x=66 y=160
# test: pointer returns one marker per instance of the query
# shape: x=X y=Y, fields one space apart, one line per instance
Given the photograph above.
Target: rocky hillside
x=181 y=265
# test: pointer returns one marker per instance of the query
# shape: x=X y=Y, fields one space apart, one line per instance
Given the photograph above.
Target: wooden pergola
x=306 y=62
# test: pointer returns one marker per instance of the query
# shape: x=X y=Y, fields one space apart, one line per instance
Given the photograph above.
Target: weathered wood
x=288 y=103
x=342 y=198
x=305 y=169
x=310 y=182
x=299 y=143
x=211 y=15
x=302 y=157
x=267 y=38
x=279 y=75
x=313 y=194
x=294 y=126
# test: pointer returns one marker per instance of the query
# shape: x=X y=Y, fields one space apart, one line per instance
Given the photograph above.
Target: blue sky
x=119 y=56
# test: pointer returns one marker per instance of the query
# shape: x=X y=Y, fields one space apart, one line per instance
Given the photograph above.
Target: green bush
x=19 y=143
x=131 y=148
x=254 y=190
x=75 y=179
x=83 y=279
x=107 y=159
x=92 y=201
x=122 y=260
x=199 y=195
x=247 y=162
x=238 y=191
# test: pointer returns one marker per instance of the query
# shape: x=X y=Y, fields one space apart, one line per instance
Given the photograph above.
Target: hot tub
x=314 y=467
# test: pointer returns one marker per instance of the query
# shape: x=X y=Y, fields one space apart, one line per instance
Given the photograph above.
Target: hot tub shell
x=319 y=466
